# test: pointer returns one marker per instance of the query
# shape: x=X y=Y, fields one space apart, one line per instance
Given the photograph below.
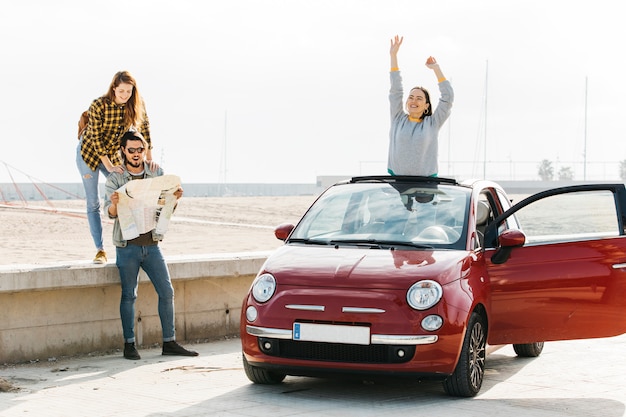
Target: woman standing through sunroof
x=414 y=132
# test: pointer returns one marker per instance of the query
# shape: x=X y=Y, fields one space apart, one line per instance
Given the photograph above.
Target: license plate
x=331 y=333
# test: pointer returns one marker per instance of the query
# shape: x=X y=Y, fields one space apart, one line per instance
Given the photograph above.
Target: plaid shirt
x=102 y=137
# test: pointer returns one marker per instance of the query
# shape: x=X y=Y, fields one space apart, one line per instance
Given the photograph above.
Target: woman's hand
x=115 y=168
x=109 y=165
x=393 y=51
x=153 y=165
x=395 y=45
x=431 y=63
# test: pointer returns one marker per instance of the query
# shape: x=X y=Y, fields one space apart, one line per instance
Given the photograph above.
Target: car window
x=569 y=217
x=511 y=222
x=491 y=203
x=419 y=214
x=325 y=216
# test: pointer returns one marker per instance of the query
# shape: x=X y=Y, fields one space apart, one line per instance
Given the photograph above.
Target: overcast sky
x=286 y=90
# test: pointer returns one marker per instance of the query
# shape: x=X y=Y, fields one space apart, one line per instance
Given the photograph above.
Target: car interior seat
x=483 y=213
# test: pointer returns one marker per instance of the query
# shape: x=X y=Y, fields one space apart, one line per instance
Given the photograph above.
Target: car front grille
x=336 y=352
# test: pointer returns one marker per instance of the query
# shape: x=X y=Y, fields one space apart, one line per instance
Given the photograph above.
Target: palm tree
x=546 y=171
x=622 y=169
x=566 y=174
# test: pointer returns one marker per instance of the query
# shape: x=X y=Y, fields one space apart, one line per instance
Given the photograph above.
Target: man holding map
x=141 y=202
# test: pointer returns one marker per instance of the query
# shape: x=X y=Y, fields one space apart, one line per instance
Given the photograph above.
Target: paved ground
x=577 y=378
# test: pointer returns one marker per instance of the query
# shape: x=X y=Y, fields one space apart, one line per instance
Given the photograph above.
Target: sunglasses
x=133 y=150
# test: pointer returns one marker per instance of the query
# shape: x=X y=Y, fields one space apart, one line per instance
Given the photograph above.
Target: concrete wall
x=68 y=309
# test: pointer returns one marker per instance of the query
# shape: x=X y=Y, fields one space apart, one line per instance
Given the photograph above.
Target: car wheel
x=528 y=350
x=469 y=372
x=260 y=375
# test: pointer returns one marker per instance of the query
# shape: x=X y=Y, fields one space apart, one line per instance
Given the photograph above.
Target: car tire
x=260 y=375
x=528 y=350
x=470 y=370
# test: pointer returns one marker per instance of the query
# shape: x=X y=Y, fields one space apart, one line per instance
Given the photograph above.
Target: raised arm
x=393 y=51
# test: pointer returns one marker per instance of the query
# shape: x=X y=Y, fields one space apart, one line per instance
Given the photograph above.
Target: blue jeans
x=90 y=182
x=150 y=259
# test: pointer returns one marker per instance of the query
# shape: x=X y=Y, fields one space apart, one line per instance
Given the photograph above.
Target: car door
x=567 y=280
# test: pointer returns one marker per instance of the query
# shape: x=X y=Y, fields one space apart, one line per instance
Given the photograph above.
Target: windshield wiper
x=379 y=243
x=309 y=241
x=358 y=242
x=404 y=243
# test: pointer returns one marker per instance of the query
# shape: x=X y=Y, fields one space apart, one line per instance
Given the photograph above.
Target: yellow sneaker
x=101 y=257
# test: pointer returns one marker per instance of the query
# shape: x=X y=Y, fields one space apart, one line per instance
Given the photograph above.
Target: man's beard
x=134 y=164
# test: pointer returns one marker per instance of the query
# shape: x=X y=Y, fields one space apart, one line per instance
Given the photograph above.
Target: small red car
x=414 y=277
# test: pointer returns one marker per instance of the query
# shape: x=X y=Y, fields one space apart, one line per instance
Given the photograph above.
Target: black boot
x=173 y=348
x=130 y=352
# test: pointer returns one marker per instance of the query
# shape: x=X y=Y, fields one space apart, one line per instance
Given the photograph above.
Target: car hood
x=313 y=266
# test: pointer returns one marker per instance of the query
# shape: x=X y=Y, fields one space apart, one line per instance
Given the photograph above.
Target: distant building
x=325 y=181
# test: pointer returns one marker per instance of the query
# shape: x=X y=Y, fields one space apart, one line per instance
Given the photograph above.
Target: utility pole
x=485 y=127
x=585 y=142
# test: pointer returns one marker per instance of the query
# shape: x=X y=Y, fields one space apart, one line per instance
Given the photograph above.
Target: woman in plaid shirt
x=121 y=109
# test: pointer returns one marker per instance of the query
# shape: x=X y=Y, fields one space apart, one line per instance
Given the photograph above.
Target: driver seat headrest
x=482 y=213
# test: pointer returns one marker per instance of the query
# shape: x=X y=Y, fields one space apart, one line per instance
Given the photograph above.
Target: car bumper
x=376 y=339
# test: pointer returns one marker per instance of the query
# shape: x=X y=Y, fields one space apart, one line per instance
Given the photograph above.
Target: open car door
x=562 y=274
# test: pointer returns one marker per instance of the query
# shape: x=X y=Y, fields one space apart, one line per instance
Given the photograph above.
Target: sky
x=283 y=91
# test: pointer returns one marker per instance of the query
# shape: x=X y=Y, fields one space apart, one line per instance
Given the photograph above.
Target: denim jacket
x=114 y=182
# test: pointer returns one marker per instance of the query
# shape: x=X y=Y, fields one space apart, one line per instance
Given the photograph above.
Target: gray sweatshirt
x=413 y=146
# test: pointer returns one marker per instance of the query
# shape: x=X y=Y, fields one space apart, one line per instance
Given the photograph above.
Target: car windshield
x=387 y=215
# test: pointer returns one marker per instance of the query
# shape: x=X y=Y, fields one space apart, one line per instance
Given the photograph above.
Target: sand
x=44 y=233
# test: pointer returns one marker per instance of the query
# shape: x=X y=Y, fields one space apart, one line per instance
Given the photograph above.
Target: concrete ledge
x=67 y=309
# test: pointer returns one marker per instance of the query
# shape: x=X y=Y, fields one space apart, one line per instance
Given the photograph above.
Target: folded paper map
x=147 y=205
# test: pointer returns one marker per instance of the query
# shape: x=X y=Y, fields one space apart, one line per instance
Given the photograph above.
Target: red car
x=415 y=277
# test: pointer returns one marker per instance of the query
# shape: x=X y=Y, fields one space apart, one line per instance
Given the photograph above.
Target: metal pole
x=485 y=127
x=585 y=143
x=449 y=141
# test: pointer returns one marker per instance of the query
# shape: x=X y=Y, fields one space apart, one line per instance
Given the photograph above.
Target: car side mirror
x=509 y=239
x=512 y=238
x=283 y=231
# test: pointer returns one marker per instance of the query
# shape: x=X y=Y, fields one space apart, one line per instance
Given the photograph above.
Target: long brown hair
x=133 y=114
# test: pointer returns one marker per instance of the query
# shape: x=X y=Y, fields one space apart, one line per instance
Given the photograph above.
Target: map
x=146 y=205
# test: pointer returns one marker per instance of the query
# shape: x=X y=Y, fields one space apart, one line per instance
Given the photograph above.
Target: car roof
x=401 y=179
x=470 y=183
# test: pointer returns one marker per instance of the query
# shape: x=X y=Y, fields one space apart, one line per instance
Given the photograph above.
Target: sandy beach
x=44 y=233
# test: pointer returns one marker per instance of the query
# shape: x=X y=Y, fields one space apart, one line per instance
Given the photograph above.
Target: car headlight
x=424 y=294
x=263 y=287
